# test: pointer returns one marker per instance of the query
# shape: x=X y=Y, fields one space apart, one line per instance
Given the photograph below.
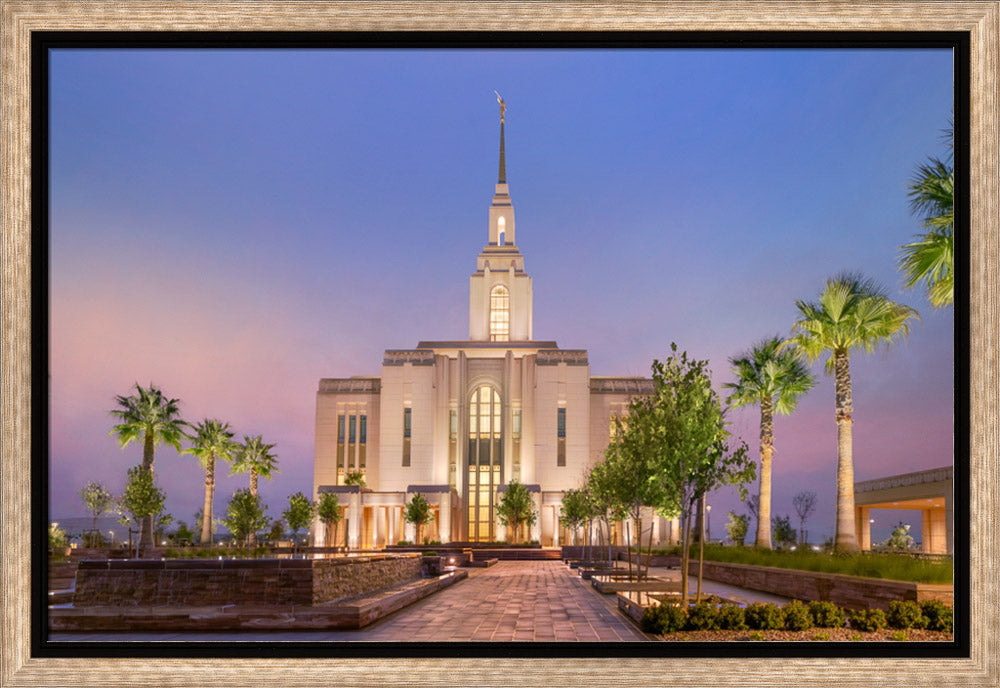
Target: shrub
x=757 y=635
x=732 y=618
x=822 y=635
x=797 y=616
x=663 y=618
x=826 y=614
x=764 y=616
x=702 y=617
x=430 y=553
x=868 y=620
x=854 y=636
x=905 y=614
x=940 y=617
x=898 y=636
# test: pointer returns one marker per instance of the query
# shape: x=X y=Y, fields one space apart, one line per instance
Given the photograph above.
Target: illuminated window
x=406 y=436
x=363 y=432
x=561 y=438
x=485 y=459
x=341 y=466
x=501 y=230
x=499 y=314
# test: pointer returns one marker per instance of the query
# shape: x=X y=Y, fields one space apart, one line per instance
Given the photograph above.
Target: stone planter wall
x=853 y=592
x=197 y=582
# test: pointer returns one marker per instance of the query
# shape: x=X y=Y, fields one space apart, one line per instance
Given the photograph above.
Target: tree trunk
x=206 y=519
x=146 y=527
x=649 y=548
x=685 y=544
x=628 y=548
x=701 y=549
x=846 y=538
x=252 y=537
x=766 y=453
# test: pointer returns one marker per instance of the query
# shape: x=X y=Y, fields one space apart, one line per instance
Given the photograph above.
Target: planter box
x=852 y=592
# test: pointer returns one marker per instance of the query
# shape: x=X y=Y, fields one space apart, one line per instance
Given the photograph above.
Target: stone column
x=949 y=524
x=390 y=525
x=675 y=530
x=354 y=517
x=536 y=530
x=555 y=526
x=444 y=510
x=926 y=536
x=865 y=541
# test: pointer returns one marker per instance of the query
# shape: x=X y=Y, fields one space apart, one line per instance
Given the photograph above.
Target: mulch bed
x=825 y=634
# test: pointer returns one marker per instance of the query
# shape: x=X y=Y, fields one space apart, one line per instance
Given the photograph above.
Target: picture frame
x=19 y=19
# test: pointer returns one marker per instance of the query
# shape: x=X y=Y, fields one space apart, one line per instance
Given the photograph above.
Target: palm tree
x=151 y=417
x=774 y=378
x=212 y=440
x=254 y=457
x=930 y=259
x=852 y=313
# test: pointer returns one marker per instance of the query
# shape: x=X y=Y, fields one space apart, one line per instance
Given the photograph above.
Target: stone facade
x=197 y=582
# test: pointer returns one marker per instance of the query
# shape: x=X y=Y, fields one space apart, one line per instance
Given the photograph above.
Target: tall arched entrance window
x=485 y=458
x=499 y=314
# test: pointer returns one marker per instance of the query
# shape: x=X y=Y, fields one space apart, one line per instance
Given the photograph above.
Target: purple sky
x=234 y=225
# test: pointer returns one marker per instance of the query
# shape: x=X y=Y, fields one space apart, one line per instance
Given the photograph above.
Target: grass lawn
x=878 y=565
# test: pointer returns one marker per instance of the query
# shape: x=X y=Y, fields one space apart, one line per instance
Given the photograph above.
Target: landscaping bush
x=702 y=617
x=940 y=617
x=732 y=618
x=797 y=616
x=905 y=614
x=867 y=620
x=764 y=617
x=826 y=614
x=663 y=618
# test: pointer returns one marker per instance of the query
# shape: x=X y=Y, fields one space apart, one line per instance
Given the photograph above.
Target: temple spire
x=502 y=170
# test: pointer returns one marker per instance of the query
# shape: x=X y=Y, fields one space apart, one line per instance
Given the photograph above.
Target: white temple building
x=457 y=420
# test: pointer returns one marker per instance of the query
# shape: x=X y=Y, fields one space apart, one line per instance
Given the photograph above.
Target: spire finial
x=502 y=171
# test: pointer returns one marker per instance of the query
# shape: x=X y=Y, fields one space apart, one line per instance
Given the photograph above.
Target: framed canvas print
x=381 y=342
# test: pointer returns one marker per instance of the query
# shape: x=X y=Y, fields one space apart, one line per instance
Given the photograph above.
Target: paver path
x=513 y=600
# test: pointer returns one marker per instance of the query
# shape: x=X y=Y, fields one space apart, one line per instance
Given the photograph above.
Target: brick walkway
x=511 y=601
x=529 y=600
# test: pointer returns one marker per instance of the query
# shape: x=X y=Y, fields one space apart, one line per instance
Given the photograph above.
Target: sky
x=233 y=225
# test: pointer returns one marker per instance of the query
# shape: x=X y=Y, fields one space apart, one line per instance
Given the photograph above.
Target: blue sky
x=234 y=225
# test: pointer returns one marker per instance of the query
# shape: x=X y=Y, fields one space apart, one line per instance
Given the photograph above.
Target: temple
x=456 y=421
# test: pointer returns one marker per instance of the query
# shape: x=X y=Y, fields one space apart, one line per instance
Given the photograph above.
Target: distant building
x=929 y=492
x=458 y=420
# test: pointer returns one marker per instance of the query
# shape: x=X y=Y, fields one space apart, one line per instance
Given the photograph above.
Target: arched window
x=499 y=314
x=501 y=230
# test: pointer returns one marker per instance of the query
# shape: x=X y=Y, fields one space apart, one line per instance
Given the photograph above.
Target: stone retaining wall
x=853 y=592
x=201 y=582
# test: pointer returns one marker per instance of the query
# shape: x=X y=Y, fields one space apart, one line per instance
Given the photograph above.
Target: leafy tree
x=155 y=419
x=574 y=512
x=161 y=521
x=605 y=499
x=212 y=440
x=804 y=503
x=355 y=478
x=98 y=501
x=774 y=379
x=736 y=527
x=930 y=259
x=142 y=500
x=277 y=531
x=784 y=533
x=254 y=457
x=57 y=537
x=299 y=514
x=688 y=424
x=900 y=538
x=183 y=535
x=328 y=512
x=852 y=313
x=245 y=516
x=630 y=458
x=516 y=508
x=418 y=512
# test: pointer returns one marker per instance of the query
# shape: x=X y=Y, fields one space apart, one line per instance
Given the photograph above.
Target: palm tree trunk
x=252 y=537
x=845 y=539
x=206 y=519
x=766 y=453
x=146 y=527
